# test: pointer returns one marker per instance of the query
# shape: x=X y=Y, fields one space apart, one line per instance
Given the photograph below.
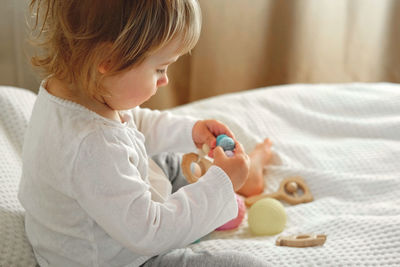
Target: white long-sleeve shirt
x=91 y=198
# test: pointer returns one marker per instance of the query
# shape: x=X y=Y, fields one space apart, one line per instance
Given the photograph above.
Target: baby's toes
x=267 y=142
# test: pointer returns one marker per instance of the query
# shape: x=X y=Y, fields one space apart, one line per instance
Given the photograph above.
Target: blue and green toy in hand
x=227 y=144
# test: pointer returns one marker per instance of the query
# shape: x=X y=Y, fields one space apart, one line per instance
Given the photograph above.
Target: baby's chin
x=152 y=94
x=125 y=106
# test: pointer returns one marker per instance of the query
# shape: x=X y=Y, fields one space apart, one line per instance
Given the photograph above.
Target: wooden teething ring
x=286 y=192
x=187 y=161
x=301 y=241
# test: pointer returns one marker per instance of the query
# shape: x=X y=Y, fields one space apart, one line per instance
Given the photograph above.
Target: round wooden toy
x=301 y=241
x=288 y=191
x=187 y=161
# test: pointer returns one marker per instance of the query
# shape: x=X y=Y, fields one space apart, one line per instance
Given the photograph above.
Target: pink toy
x=234 y=223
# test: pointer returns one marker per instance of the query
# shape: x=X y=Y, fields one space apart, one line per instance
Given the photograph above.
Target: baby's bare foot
x=259 y=157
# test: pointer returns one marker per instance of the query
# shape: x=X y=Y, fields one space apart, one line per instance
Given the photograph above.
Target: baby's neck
x=62 y=90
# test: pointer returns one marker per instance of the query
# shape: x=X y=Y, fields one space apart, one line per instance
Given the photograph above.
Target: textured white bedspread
x=344 y=140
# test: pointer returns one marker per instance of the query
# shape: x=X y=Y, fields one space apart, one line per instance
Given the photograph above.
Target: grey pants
x=170 y=163
x=186 y=257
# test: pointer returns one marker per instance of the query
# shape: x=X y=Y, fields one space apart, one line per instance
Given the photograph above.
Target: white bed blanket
x=344 y=140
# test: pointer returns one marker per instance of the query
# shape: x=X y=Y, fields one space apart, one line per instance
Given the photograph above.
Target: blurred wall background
x=15 y=68
x=251 y=44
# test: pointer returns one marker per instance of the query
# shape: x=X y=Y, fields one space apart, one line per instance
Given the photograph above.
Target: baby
x=92 y=193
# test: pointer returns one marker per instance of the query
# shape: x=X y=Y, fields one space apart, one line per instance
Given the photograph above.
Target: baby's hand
x=205 y=132
x=236 y=167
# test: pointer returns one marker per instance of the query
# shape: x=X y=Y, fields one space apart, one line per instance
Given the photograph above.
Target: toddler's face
x=133 y=87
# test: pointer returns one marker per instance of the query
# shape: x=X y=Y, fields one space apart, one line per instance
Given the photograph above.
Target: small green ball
x=225 y=142
x=267 y=217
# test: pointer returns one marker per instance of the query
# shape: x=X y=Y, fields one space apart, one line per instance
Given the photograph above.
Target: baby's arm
x=164 y=131
x=110 y=188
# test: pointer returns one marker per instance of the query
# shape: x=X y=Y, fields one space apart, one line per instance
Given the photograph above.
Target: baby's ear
x=104 y=66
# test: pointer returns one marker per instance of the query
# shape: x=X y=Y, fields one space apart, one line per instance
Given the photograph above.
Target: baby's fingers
x=218 y=152
x=238 y=148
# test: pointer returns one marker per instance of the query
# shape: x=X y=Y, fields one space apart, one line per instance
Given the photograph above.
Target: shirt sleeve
x=164 y=131
x=109 y=187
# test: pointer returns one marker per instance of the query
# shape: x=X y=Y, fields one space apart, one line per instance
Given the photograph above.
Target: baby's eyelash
x=161 y=71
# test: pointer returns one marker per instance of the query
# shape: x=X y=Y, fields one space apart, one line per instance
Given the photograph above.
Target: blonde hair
x=79 y=35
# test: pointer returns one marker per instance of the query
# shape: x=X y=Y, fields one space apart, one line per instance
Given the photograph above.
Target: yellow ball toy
x=267 y=217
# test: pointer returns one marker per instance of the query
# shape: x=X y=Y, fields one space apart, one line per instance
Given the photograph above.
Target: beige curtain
x=247 y=44
x=15 y=68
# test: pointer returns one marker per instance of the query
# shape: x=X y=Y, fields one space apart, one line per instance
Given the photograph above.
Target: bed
x=343 y=139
